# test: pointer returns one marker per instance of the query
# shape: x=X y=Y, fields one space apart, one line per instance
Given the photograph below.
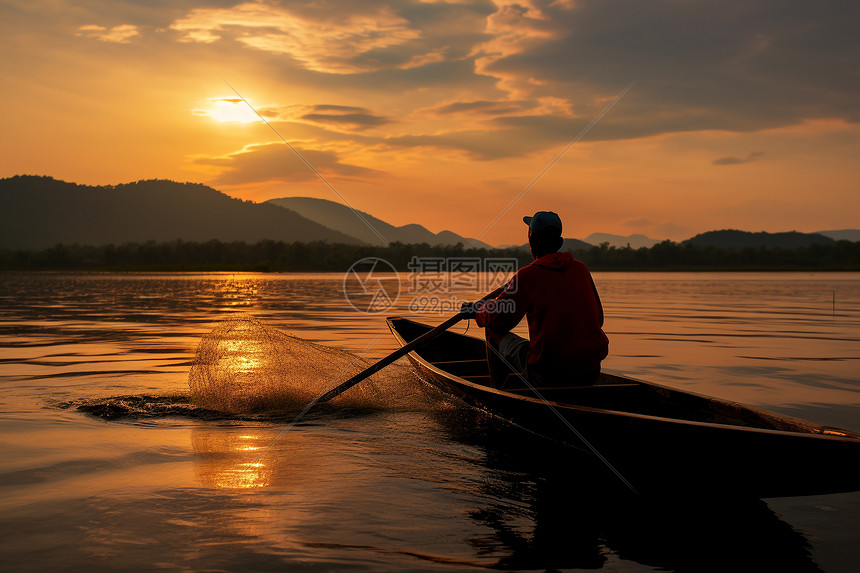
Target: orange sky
x=744 y=114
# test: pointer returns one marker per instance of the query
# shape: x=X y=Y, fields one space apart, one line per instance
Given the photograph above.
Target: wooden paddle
x=402 y=351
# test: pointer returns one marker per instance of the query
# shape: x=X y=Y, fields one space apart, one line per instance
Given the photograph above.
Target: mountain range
x=852 y=235
x=367 y=228
x=731 y=238
x=636 y=241
x=37 y=212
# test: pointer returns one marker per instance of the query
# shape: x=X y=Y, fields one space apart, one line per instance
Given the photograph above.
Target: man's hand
x=470 y=309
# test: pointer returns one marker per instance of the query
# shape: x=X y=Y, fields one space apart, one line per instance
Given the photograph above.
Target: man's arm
x=495 y=293
x=470 y=309
x=497 y=315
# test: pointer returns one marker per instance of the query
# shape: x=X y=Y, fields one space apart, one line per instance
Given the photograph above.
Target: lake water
x=415 y=481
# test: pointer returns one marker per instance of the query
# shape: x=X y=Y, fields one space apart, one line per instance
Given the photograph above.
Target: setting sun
x=225 y=110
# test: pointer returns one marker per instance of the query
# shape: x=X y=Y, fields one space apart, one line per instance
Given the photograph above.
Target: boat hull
x=655 y=438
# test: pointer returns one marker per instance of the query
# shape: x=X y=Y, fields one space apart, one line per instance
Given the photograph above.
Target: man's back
x=558 y=298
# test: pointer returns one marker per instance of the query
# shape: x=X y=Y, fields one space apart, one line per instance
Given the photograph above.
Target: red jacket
x=556 y=294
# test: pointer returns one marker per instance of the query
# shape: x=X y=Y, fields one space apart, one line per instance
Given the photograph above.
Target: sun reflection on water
x=246 y=476
x=239 y=292
x=229 y=461
x=244 y=365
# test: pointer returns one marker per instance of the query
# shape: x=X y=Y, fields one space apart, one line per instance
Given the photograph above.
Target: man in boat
x=557 y=296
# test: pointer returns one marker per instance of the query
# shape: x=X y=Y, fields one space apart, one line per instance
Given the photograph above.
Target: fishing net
x=245 y=366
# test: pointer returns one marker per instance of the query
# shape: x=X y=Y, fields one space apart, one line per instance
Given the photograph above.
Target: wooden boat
x=655 y=437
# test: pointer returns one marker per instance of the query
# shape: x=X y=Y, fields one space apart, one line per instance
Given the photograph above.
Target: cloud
x=340 y=116
x=327 y=40
x=268 y=162
x=728 y=161
x=346 y=37
x=117 y=35
x=544 y=66
x=515 y=27
x=421 y=60
x=483 y=107
x=330 y=117
x=736 y=67
x=477 y=144
x=737 y=161
x=501 y=136
x=733 y=65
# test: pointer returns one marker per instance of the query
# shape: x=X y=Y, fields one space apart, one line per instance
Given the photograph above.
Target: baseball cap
x=543 y=220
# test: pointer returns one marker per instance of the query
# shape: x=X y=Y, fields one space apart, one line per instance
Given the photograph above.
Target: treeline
x=276 y=256
x=262 y=256
x=835 y=256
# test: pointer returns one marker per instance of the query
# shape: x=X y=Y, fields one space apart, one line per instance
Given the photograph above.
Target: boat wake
x=149 y=407
x=143 y=406
x=414 y=396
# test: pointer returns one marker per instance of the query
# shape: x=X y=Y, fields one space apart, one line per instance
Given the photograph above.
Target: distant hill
x=39 y=212
x=731 y=238
x=852 y=235
x=575 y=245
x=635 y=241
x=362 y=225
